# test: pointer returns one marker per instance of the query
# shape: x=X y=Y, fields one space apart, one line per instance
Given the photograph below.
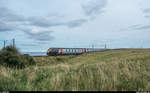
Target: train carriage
x=70 y=51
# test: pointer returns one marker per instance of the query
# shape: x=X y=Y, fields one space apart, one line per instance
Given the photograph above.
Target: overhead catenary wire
x=40 y=45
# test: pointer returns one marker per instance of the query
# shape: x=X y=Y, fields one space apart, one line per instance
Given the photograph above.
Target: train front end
x=52 y=52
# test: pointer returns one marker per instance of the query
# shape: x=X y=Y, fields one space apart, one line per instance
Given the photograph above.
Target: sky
x=38 y=25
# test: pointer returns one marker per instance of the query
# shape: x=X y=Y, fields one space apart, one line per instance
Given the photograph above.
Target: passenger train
x=70 y=51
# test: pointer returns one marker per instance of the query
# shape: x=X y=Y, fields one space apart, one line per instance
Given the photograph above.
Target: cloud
x=10 y=21
x=136 y=27
x=28 y=44
x=42 y=22
x=94 y=7
x=147 y=10
x=90 y=8
x=37 y=34
x=147 y=16
x=5 y=27
x=76 y=23
x=143 y=27
x=130 y=27
x=9 y=16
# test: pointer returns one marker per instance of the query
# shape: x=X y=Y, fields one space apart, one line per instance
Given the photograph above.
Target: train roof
x=74 y=48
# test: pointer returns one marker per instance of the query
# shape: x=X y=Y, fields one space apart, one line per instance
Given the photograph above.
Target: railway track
x=40 y=56
x=55 y=56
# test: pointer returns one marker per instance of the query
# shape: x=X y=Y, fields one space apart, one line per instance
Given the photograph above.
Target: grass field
x=108 y=70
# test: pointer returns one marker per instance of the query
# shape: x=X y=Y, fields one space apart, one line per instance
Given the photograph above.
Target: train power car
x=70 y=51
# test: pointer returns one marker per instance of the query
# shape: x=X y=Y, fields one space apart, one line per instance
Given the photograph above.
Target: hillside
x=124 y=69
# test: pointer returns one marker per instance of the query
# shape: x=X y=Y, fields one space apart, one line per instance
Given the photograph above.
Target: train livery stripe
x=86 y=50
x=61 y=51
x=82 y=51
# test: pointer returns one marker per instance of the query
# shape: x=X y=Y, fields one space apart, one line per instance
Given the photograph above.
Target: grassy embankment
x=108 y=70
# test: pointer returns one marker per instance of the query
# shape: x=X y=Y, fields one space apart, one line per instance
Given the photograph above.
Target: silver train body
x=71 y=51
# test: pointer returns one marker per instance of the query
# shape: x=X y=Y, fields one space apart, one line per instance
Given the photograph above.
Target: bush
x=11 y=57
x=30 y=60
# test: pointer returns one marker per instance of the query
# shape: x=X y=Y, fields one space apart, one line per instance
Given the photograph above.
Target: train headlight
x=48 y=51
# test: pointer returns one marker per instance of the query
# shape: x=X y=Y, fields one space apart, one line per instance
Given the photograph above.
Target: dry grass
x=108 y=70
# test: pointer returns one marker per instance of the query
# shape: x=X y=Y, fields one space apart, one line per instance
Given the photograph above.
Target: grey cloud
x=147 y=13
x=76 y=23
x=146 y=10
x=147 y=16
x=9 y=16
x=41 y=36
x=143 y=27
x=94 y=7
x=41 y=22
x=137 y=27
x=5 y=27
x=28 y=44
x=130 y=27
x=8 y=21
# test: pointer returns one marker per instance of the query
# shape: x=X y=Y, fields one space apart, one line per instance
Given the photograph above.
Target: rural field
x=112 y=70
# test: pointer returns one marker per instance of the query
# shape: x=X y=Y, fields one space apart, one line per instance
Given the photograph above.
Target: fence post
x=4 y=43
x=105 y=46
x=13 y=42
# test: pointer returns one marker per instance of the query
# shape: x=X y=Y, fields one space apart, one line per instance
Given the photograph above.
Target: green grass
x=108 y=70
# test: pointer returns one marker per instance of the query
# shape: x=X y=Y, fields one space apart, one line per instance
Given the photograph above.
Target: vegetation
x=11 y=57
x=107 y=70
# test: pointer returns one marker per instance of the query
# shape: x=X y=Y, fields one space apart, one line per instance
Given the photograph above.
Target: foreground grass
x=108 y=70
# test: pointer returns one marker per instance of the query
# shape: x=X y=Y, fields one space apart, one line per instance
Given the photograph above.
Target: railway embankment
x=123 y=69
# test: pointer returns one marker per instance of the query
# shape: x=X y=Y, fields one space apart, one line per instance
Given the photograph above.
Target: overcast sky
x=39 y=24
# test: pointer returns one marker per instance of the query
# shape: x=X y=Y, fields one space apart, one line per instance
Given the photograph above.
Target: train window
x=74 y=50
x=68 y=50
x=77 y=50
x=64 y=50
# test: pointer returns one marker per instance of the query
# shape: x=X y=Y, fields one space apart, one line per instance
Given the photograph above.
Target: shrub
x=11 y=57
x=30 y=60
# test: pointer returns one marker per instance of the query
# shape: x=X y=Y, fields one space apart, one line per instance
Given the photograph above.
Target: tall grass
x=108 y=70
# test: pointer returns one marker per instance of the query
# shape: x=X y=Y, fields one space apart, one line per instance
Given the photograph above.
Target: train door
x=60 y=51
